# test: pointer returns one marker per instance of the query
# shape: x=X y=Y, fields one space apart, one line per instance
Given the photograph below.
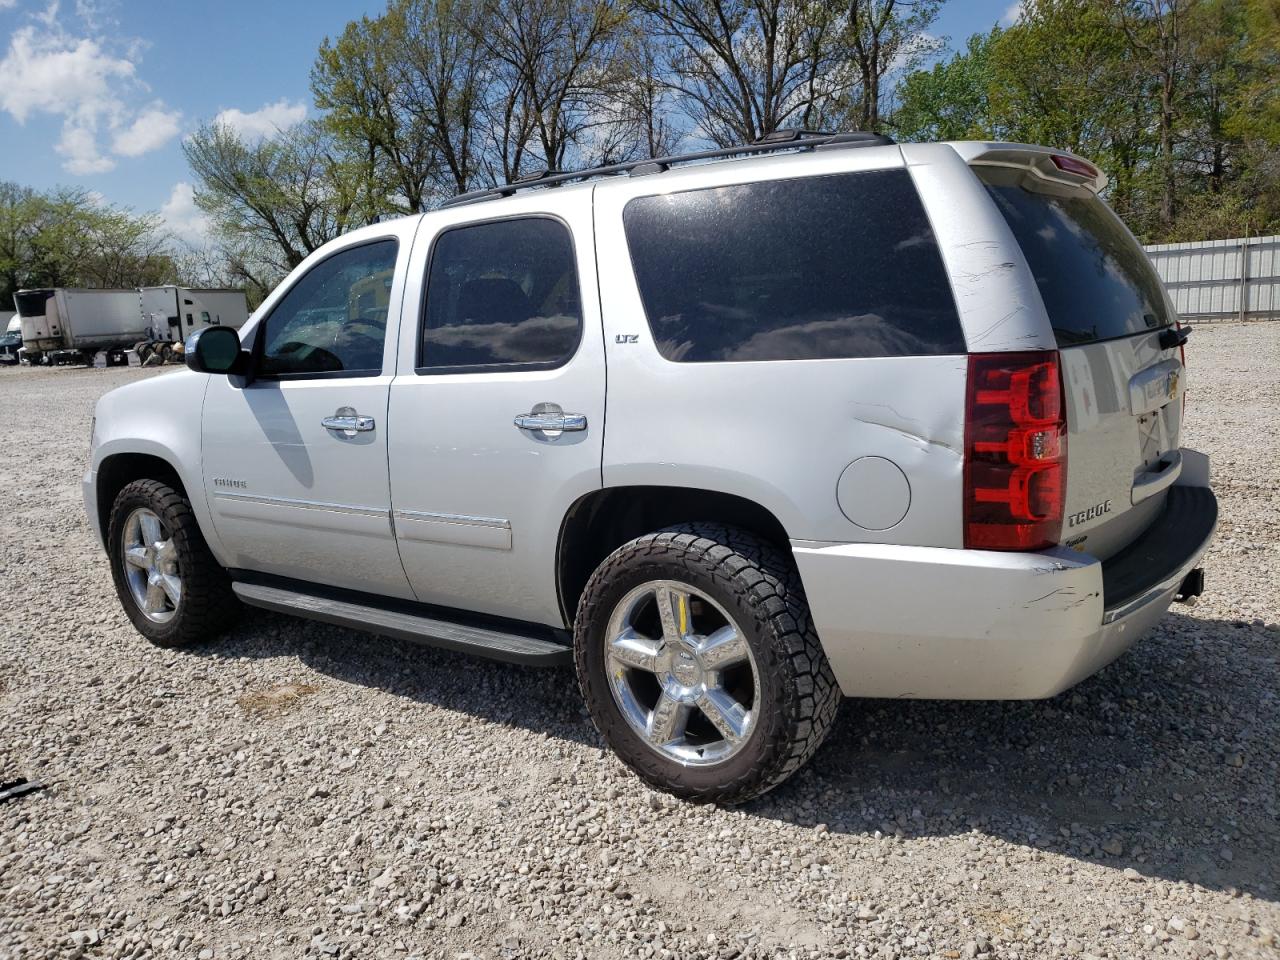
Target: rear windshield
x=814 y=268
x=1094 y=278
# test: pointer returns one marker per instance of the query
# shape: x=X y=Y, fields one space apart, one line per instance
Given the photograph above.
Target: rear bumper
x=927 y=622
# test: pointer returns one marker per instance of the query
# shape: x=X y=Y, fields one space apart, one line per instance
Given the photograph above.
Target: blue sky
x=99 y=93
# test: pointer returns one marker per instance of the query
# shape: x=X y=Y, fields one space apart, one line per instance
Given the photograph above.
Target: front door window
x=333 y=320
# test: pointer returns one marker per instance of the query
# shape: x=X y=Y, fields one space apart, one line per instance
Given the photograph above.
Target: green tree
x=951 y=100
x=275 y=200
x=1060 y=76
x=358 y=83
x=66 y=237
x=878 y=36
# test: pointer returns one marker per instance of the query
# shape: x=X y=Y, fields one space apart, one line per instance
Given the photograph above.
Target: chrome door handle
x=549 y=418
x=353 y=423
x=541 y=421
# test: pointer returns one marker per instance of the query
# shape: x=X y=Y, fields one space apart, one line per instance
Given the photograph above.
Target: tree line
x=436 y=97
x=67 y=237
x=1177 y=100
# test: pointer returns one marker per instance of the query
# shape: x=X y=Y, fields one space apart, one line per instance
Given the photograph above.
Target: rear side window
x=503 y=293
x=807 y=269
x=1094 y=278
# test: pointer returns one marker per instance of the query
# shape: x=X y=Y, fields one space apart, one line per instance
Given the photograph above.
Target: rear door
x=1123 y=386
x=497 y=411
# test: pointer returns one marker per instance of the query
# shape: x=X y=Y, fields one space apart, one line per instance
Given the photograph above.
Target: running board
x=481 y=641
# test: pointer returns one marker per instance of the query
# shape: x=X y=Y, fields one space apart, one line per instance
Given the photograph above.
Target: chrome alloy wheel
x=151 y=565
x=681 y=672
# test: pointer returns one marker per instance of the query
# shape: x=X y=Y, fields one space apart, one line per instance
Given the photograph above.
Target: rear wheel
x=699 y=665
x=170 y=585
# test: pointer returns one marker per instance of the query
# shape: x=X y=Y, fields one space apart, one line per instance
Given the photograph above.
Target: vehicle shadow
x=1164 y=762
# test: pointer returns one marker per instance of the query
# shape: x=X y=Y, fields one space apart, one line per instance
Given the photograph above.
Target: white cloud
x=184 y=219
x=53 y=73
x=8 y=4
x=1012 y=14
x=150 y=130
x=269 y=119
x=79 y=144
x=87 y=81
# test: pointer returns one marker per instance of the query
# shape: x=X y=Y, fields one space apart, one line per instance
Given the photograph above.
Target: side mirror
x=216 y=350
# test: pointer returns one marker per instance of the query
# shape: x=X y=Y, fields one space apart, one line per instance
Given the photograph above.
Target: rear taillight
x=1015 y=467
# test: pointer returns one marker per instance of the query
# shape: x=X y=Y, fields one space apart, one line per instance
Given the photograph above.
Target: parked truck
x=71 y=326
x=62 y=325
x=173 y=313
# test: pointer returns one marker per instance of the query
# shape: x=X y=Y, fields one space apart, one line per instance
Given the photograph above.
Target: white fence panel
x=1222 y=279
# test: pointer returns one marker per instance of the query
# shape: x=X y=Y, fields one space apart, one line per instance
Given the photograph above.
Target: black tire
x=797 y=696
x=208 y=605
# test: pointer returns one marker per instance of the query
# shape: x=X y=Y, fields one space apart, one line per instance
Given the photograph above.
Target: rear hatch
x=1122 y=370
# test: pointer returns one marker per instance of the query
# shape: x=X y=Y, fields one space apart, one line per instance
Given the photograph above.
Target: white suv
x=737 y=433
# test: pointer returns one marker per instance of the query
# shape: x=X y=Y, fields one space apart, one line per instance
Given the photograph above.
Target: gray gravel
x=300 y=790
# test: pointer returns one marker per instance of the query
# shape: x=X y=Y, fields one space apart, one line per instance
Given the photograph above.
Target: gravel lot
x=295 y=789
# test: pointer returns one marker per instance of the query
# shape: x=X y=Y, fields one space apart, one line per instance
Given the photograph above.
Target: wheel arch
x=118 y=470
x=599 y=522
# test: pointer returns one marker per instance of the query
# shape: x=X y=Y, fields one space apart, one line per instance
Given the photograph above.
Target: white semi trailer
x=174 y=313
x=66 y=325
x=62 y=325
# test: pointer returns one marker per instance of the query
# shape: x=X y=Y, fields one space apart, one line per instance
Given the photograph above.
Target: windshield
x=1094 y=278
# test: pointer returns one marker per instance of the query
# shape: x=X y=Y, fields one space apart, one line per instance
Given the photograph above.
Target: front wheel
x=699 y=664
x=171 y=587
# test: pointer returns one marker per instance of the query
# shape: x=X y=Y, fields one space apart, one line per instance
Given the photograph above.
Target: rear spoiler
x=1061 y=166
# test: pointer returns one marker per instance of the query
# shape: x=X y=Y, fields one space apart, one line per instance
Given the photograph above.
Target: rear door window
x=501 y=294
x=807 y=269
x=1094 y=278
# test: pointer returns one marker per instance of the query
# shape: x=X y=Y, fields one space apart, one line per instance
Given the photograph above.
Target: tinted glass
x=1095 y=280
x=502 y=293
x=335 y=318
x=837 y=266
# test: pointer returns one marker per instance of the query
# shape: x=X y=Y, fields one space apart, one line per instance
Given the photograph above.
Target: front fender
x=160 y=418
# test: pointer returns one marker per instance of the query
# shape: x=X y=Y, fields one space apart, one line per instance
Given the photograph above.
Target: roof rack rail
x=776 y=141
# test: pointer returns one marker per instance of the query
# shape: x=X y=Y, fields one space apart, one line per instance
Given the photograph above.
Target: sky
x=99 y=93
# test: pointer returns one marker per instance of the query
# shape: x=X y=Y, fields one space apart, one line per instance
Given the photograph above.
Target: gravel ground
x=295 y=789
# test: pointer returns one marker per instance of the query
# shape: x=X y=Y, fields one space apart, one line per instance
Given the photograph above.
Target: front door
x=295 y=463
x=497 y=414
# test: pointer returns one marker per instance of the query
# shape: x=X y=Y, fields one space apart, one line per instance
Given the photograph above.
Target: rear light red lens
x=1015 y=451
x=1075 y=165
